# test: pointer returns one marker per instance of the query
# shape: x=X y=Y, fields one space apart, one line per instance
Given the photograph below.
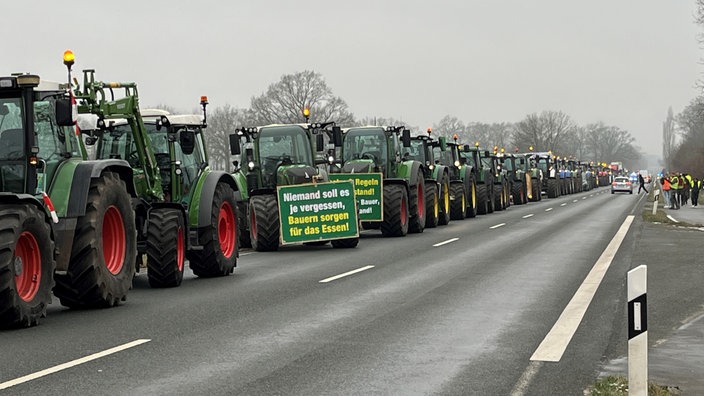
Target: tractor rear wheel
x=264 y=223
x=166 y=247
x=471 y=210
x=416 y=199
x=395 y=211
x=518 y=193
x=444 y=218
x=499 y=203
x=26 y=265
x=458 y=201
x=346 y=243
x=432 y=207
x=482 y=200
x=242 y=224
x=104 y=251
x=553 y=188
x=219 y=254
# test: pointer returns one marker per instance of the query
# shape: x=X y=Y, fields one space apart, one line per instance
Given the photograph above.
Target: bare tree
x=223 y=121
x=546 y=131
x=284 y=101
x=668 y=138
x=688 y=156
x=450 y=125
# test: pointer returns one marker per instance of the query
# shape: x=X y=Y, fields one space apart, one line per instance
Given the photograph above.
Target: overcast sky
x=623 y=62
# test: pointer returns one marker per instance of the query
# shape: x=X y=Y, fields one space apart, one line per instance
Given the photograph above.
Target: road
x=463 y=317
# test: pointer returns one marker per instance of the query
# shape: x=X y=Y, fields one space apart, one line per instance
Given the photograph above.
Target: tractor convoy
x=96 y=189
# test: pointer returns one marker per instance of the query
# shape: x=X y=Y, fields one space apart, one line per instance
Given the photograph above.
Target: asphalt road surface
x=456 y=310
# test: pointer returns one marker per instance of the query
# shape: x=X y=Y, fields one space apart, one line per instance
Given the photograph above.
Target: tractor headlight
x=331 y=160
x=250 y=165
x=178 y=171
x=457 y=164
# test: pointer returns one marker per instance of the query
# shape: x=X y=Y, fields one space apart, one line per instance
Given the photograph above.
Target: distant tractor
x=437 y=180
x=483 y=174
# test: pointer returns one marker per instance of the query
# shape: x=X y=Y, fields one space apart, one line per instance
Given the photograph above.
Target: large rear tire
x=242 y=224
x=499 y=203
x=104 y=251
x=166 y=247
x=518 y=193
x=346 y=243
x=264 y=223
x=458 y=201
x=26 y=265
x=553 y=188
x=472 y=199
x=432 y=207
x=395 y=222
x=416 y=200
x=444 y=218
x=482 y=200
x=219 y=254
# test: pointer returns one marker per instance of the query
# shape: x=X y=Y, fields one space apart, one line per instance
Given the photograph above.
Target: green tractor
x=484 y=174
x=463 y=189
x=65 y=222
x=273 y=156
x=437 y=179
x=379 y=149
x=551 y=176
x=185 y=210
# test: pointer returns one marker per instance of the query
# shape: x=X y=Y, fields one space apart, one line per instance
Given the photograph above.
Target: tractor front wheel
x=395 y=211
x=264 y=223
x=432 y=207
x=417 y=205
x=166 y=247
x=26 y=265
x=458 y=201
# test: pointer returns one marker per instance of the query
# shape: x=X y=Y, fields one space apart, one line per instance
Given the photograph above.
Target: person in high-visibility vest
x=686 y=188
x=665 y=186
x=696 y=186
x=674 y=192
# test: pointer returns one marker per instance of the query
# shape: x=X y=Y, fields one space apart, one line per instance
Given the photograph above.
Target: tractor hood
x=287 y=175
x=358 y=166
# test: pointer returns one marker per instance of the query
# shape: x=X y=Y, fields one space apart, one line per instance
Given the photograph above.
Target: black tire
x=499 y=203
x=553 y=188
x=482 y=200
x=535 y=186
x=218 y=257
x=166 y=247
x=471 y=199
x=518 y=193
x=316 y=243
x=346 y=243
x=264 y=223
x=444 y=200
x=432 y=206
x=91 y=280
x=458 y=201
x=243 y=224
x=416 y=201
x=25 y=243
x=371 y=225
x=395 y=222
x=491 y=196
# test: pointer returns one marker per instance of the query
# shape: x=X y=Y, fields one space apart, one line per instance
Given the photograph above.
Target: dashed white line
x=556 y=341
x=332 y=278
x=246 y=253
x=497 y=226
x=548 y=209
x=445 y=242
x=563 y=204
x=72 y=363
x=585 y=197
x=528 y=215
x=575 y=201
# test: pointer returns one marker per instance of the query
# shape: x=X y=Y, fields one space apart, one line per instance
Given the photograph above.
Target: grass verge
x=618 y=386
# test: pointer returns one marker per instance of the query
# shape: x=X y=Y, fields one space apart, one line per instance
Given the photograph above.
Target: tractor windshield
x=508 y=164
x=285 y=144
x=365 y=143
x=442 y=157
x=12 y=150
x=416 y=151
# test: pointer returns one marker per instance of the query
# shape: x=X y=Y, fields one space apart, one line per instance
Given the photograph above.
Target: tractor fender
x=207 y=191
x=241 y=183
x=88 y=170
x=18 y=199
x=441 y=172
x=415 y=170
x=398 y=181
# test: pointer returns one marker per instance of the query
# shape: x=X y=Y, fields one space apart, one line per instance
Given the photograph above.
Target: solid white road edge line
x=526 y=378
x=556 y=341
x=332 y=278
x=445 y=242
x=497 y=226
x=672 y=219
x=72 y=363
x=528 y=215
x=548 y=209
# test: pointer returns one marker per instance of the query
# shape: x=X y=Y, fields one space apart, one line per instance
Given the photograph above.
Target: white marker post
x=637 y=332
x=656 y=199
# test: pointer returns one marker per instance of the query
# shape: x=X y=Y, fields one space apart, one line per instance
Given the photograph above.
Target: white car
x=622 y=184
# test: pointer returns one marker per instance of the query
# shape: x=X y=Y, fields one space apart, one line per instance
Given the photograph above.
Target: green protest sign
x=369 y=190
x=317 y=212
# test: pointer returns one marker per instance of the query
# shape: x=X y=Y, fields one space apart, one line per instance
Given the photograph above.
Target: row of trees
x=284 y=100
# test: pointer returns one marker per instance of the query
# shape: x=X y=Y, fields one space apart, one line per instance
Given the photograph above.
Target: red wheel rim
x=180 y=249
x=28 y=266
x=404 y=212
x=421 y=200
x=114 y=240
x=226 y=229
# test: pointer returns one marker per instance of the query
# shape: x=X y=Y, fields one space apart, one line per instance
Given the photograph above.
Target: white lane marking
x=332 y=278
x=575 y=201
x=585 y=197
x=72 y=363
x=548 y=209
x=446 y=242
x=246 y=253
x=497 y=226
x=556 y=341
x=563 y=204
x=591 y=195
x=672 y=218
x=526 y=378
x=528 y=215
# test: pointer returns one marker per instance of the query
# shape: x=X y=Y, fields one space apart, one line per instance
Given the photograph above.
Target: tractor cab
x=373 y=148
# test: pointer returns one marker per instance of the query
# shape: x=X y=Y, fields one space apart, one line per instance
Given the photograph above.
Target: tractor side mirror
x=406 y=138
x=187 y=139
x=443 y=143
x=319 y=142
x=235 y=144
x=522 y=161
x=337 y=136
x=64 y=112
x=465 y=148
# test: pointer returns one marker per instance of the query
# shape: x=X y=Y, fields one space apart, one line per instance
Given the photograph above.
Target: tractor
x=65 y=222
x=437 y=180
x=483 y=174
x=379 y=149
x=463 y=188
x=272 y=156
x=518 y=170
x=185 y=210
x=551 y=176
x=502 y=185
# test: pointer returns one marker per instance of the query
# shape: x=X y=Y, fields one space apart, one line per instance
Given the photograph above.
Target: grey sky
x=618 y=61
